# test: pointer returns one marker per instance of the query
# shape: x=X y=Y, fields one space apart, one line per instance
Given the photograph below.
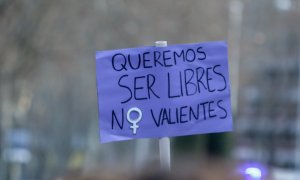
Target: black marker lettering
x=166 y=58
x=182 y=114
x=201 y=52
x=188 y=83
x=209 y=79
x=126 y=87
x=157 y=122
x=138 y=61
x=199 y=73
x=169 y=88
x=113 y=116
x=195 y=115
x=145 y=60
x=156 y=58
x=176 y=55
x=164 y=116
x=190 y=57
x=204 y=111
x=136 y=87
x=211 y=110
x=122 y=62
x=221 y=107
x=150 y=83
x=225 y=84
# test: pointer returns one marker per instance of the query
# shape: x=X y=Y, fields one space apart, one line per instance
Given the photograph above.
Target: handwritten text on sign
x=150 y=92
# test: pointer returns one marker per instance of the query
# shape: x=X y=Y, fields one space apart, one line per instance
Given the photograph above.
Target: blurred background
x=48 y=101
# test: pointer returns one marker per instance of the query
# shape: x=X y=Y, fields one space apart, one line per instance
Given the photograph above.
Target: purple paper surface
x=180 y=90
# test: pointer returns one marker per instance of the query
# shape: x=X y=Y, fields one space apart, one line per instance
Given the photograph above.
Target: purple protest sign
x=152 y=92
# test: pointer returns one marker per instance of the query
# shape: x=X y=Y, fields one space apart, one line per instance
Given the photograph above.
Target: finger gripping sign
x=152 y=92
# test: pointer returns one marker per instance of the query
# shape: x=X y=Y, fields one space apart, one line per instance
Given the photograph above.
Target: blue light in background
x=253 y=172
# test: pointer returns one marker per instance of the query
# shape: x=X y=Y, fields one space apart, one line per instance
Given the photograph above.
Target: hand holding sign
x=181 y=90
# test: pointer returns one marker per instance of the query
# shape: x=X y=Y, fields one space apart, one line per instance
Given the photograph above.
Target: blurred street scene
x=48 y=99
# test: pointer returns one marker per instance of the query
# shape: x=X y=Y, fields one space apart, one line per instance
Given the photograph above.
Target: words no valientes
x=153 y=92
